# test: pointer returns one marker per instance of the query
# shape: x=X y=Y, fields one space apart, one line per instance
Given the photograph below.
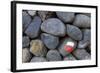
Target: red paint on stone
x=68 y=48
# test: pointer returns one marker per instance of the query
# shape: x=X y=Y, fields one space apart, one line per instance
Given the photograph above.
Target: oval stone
x=38 y=59
x=53 y=26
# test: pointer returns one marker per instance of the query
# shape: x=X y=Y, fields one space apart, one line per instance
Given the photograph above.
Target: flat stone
x=81 y=54
x=53 y=55
x=53 y=26
x=74 y=32
x=37 y=48
x=31 y=12
x=34 y=28
x=38 y=59
x=70 y=57
x=49 y=40
x=26 y=55
x=25 y=41
x=26 y=20
x=82 y=21
x=67 y=46
x=66 y=17
x=86 y=39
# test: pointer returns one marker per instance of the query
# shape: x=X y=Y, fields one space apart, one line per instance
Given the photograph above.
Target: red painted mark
x=68 y=48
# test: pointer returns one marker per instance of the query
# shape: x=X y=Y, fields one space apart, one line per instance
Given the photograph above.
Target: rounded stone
x=86 y=39
x=26 y=55
x=26 y=20
x=25 y=41
x=34 y=28
x=70 y=57
x=74 y=32
x=82 y=20
x=53 y=26
x=37 y=48
x=66 y=17
x=67 y=46
x=49 y=40
x=53 y=55
x=38 y=59
x=31 y=12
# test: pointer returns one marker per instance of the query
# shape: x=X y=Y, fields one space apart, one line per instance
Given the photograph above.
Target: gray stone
x=86 y=39
x=38 y=59
x=74 y=32
x=26 y=55
x=49 y=40
x=31 y=12
x=70 y=57
x=25 y=41
x=66 y=17
x=26 y=20
x=67 y=46
x=37 y=48
x=82 y=20
x=53 y=26
x=34 y=28
x=53 y=55
x=81 y=54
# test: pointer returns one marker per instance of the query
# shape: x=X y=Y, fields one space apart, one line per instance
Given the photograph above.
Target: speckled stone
x=49 y=40
x=38 y=59
x=34 y=28
x=82 y=20
x=69 y=57
x=53 y=26
x=26 y=55
x=66 y=17
x=37 y=48
x=74 y=32
x=53 y=55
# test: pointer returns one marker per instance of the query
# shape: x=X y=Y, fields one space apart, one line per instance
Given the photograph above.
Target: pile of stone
x=55 y=36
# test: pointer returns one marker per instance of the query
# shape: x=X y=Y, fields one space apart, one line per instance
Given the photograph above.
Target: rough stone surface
x=26 y=56
x=81 y=54
x=66 y=17
x=34 y=28
x=50 y=41
x=53 y=26
x=82 y=20
x=62 y=49
x=86 y=39
x=25 y=41
x=38 y=59
x=74 y=32
x=26 y=20
x=31 y=12
x=37 y=48
x=53 y=55
x=69 y=58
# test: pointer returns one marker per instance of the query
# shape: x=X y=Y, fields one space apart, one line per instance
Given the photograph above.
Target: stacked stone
x=55 y=36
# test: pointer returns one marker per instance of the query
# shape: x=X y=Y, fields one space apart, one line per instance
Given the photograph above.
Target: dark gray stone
x=67 y=42
x=81 y=54
x=26 y=41
x=26 y=20
x=34 y=28
x=66 y=17
x=86 y=39
x=74 y=32
x=53 y=26
x=70 y=57
x=82 y=20
x=49 y=40
x=53 y=55
x=38 y=59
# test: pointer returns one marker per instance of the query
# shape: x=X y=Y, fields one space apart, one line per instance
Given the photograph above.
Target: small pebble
x=34 y=28
x=69 y=58
x=53 y=26
x=66 y=17
x=31 y=12
x=38 y=59
x=37 y=48
x=82 y=21
x=49 y=40
x=74 y=32
x=53 y=55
